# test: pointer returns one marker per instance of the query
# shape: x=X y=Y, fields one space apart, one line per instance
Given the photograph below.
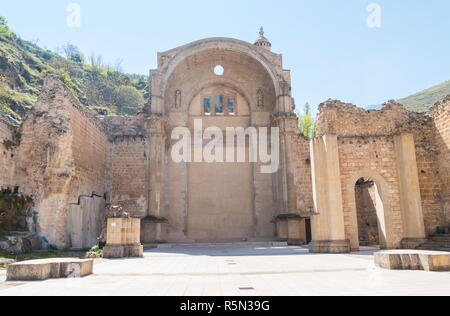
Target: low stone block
x=329 y=246
x=413 y=260
x=38 y=270
x=123 y=251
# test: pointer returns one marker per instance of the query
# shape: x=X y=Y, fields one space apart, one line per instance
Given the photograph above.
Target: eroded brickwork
x=7 y=141
x=366 y=143
x=128 y=159
x=441 y=119
x=62 y=156
x=362 y=156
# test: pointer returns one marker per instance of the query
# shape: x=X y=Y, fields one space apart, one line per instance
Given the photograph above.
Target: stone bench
x=37 y=270
x=413 y=260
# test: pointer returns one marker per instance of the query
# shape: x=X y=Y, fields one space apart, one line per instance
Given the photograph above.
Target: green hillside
x=422 y=101
x=24 y=65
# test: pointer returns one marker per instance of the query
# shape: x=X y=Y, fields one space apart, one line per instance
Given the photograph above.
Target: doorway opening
x=368 y=209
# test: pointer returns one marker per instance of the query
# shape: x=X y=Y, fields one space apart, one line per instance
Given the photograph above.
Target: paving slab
x=231 y=271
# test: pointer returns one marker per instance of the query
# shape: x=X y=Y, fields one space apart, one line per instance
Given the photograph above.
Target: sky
x=335 y=48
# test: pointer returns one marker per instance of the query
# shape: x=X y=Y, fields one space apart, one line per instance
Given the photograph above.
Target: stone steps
x=437 y=242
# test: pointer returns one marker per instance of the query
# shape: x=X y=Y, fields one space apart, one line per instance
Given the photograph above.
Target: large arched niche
x=240 y=70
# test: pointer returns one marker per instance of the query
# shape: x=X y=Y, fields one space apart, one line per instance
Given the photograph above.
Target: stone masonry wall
x=128 y=163
x=6 y=154
x=440 y=113
x=359 y=156
x=303 y=176
x=346 y=120
x=62 y=156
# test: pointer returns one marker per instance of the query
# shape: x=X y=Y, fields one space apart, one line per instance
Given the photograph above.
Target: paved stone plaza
x=234 y=271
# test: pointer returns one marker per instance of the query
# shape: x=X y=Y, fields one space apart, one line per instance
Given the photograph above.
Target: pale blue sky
x=326 y=43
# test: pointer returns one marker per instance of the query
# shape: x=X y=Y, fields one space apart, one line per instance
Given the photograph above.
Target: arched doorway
x=370 y=222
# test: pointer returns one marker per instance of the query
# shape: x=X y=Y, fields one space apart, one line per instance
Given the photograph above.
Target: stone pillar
x=410 y=199
x=328 y=227
x=123 y=238
x=156 y=174
x=288 y=220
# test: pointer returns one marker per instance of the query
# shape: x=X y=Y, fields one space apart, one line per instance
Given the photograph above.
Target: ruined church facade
x=383 y=171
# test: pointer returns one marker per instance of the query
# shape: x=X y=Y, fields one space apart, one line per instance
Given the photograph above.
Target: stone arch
x=383 y=209
x=221 y=43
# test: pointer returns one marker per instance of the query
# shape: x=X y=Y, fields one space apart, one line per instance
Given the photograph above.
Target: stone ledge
x=413 y=260
x=123 y=251
x=329 y=246
x=38 y=270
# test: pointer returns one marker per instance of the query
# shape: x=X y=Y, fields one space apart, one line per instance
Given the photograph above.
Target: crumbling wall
x=347 y=121
x=7 y=142
x=128 y=155
x=440 y=113
x=62 y=155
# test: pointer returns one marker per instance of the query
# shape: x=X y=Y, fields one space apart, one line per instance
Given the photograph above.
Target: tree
x=128 y=100
x=306 y=123
x=3 y=21
x=72 y=52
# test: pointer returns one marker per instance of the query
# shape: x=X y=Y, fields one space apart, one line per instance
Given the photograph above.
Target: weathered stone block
x=123 y=238
x=413 y=260
x=36 y=270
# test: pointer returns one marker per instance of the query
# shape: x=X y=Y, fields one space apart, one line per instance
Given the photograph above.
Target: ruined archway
x=380 y=199
x=220 y=201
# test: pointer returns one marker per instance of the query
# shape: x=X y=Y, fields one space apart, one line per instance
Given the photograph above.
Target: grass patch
x=44 y=255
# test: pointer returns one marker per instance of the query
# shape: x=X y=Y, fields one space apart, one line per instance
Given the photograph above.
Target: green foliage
x=422 y=101
x=127 y=99
x=306 y=123
x=13 y=205
x=95 y=83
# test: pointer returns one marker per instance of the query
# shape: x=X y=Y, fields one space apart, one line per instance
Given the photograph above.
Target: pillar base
x=329 y=246
x=123 y=251
x=292 y=241
x=412 y=243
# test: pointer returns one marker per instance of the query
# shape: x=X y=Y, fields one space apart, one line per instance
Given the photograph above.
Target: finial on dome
x=262 y=41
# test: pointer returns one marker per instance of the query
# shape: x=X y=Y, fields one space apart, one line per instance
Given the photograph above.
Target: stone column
x=153 y=224
x=288 y=216
x=328 y=227
x=410 y=199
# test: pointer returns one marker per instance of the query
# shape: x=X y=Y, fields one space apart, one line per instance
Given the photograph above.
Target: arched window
x=219 y=104
x=207 y=106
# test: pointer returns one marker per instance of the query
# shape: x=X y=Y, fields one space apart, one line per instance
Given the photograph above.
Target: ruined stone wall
x=62 y=156
x=89 y=144
x=440 y=113
x=346 y=120
x=6 y=154
x=372 y=156
x=128 y=164
x=303 y=180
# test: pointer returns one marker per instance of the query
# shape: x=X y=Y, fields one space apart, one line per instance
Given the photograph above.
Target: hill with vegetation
x=422 y=101
x=101 y=87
